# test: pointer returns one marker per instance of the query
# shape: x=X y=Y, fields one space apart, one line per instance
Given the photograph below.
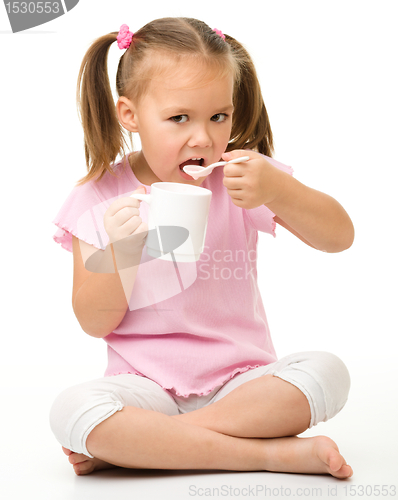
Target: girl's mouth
x=192 y=161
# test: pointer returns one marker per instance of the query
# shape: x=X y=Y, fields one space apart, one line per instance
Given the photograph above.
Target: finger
x=142 y=228
x=235 y=194
x=239 y=202
x=131 y=226
x=141 y=189
x=233 y=183
x=120 y=204
x=236 y=153
x=234 y=170
x=124 y=215
x=236 y=198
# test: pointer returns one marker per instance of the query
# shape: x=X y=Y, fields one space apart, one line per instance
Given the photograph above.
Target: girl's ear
x=126 y=114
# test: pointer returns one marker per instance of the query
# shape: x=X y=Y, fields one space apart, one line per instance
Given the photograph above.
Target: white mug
x=178 y=213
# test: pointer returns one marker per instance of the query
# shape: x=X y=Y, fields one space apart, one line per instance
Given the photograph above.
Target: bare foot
x=82 y=464
x=316 y=455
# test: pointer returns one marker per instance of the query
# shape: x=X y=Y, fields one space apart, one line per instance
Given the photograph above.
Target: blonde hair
x=179 y=37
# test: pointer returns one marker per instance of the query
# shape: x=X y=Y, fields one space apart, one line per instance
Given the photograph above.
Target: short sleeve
x=262 y=218
x=78 y=217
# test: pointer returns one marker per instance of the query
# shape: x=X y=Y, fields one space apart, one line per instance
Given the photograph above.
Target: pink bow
x=124 y=37
x=219 y=32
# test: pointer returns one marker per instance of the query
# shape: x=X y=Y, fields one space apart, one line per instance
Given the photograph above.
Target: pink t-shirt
x=190 y=328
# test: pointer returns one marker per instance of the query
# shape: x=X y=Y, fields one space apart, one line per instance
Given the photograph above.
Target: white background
x=328 y=72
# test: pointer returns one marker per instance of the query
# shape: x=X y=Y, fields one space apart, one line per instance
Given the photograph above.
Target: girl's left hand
x=253 y=183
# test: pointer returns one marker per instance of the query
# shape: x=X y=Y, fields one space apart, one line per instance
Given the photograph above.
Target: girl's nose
x=200 y=137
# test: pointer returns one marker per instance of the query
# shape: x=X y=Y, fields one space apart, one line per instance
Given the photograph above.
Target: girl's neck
x=141 y=169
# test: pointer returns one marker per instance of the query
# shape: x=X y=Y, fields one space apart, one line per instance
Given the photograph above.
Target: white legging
x=321 y=376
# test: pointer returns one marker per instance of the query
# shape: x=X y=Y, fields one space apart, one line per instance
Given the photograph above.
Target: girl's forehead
x=182 y=94
x=189 y=73
x=191 y=83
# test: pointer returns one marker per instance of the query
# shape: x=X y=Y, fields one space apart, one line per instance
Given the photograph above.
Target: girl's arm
x=314 y=217
x=98 y=299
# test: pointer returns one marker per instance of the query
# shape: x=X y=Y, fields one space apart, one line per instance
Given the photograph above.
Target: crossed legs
x=266 y=407
x=251 y=428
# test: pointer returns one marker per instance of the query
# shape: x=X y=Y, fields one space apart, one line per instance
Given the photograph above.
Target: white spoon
x=196 y=171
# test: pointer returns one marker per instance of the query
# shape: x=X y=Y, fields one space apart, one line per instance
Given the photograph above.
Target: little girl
x=193 y=381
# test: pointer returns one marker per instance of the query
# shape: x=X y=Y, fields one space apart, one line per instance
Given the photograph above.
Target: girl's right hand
x=124 y=225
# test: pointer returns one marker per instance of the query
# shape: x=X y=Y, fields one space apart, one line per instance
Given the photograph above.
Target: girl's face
x=184 y=115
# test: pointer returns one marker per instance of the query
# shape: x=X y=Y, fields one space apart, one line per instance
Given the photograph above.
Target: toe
x=338 y=466
x=329 y=454
x=85 y=467
x=77 y=458
x=345 y=472
x=77 y=470
x=335 y=460
x=66 y=451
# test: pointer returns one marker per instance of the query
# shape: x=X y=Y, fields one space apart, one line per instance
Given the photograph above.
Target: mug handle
x=148 y=199
x=142 y=197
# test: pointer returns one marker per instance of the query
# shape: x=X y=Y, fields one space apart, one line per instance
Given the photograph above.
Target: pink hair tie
x=220 y=33
x=124 y=37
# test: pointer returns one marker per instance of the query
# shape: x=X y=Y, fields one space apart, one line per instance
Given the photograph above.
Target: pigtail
x=103 y=135
x=251 y=128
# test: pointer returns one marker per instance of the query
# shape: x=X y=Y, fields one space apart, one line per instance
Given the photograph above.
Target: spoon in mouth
x=196 y=171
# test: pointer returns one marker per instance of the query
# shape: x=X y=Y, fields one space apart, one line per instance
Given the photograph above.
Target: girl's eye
x=219 y=117
x=179 y=118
